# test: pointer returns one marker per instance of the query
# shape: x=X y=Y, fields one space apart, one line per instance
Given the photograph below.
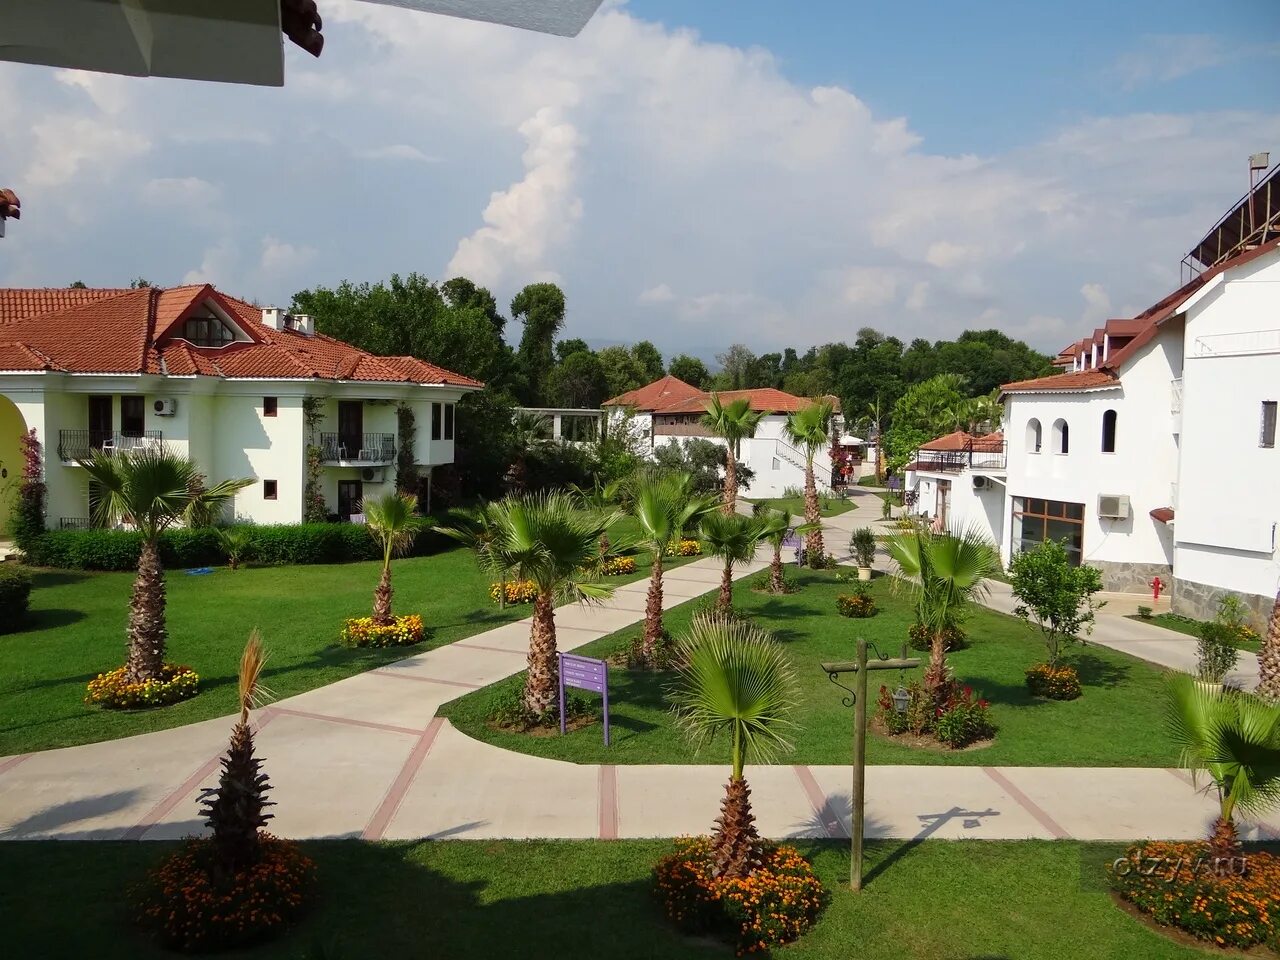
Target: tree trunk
x=236 y=809
x=725 y=600
x=812 y=515
x=382 y=598
x=1224 y=842
x=736 y=850
x=935 y=675
x=730 y=480
x=879 y=462
x=146 y=618
x=1269 y=657
x=776 y=584
x=541 y=685
x=653 y=612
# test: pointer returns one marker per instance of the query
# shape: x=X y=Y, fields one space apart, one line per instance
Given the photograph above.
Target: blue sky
x=690 y=173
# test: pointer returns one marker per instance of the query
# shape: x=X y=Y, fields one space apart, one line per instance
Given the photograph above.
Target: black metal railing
x=358 y=448
x=974 y=456
x=75 y=523
x=78 y=444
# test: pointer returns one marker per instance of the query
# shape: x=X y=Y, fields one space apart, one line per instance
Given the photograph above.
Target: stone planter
x=1210 y=687
x=864 y=573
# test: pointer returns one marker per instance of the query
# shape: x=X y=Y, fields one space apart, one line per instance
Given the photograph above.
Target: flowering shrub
x=1229 y=902
x=1246 y=636
x=618 y=566
x=918 y=717
x=684 y=548
x=856 y=605
x=366 y=632
x=518 y=591
x=1053 y=683
x=191 y=907
x=113 y=689
x=773 y=906
x=963 y=719
x=920 y=637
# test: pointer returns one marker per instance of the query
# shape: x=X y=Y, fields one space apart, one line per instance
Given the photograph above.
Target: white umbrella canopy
x=849 y=440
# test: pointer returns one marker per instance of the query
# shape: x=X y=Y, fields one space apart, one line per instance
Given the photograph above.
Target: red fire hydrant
x=1156 y=586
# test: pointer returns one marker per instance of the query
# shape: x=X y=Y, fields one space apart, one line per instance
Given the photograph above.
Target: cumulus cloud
x=190 y=192
x=658 y=294
x=280 y=259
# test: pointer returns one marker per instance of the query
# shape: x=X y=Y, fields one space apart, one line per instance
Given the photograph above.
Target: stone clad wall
x=1199 y=600
x=1127 y=577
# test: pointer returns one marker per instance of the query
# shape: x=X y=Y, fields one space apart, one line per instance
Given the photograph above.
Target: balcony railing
x=75 y=523
x=974 y=456
x=358 y=448
x=78 y=444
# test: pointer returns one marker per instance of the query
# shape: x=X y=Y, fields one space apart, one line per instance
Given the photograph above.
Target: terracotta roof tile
x=19 y=356
x=656 y=395
x=17 y=303
x=1064 y=382
x=960 y=440
x=1163 y=514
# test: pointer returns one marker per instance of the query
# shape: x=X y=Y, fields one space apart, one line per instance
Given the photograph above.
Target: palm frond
x=393 y=520
x=253 y=693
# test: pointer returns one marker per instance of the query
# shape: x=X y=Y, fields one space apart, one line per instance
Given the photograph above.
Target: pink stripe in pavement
x=371 y=724
x=608 y=802
x=381 y=818
x=401 y=675
x=1043 y=818
x=480 y=646
x=12 y=762
x=818 y=800
x=206 y=769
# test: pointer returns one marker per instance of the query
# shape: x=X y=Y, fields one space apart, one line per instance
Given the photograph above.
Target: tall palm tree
x=542 y=537
x=807 y=429
x=775 y=525
x=394 y=522
x=665 y=506
x=947 y=572
x=736 y=679
x=733 y=538
x=1234 y=737
x=1269 y=656
x=874 y=418
x=152 y=488
x=732 y=422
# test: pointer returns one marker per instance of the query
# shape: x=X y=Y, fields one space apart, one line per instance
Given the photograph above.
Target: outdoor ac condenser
x=981 y=483
x=1113 y=506
x=165 y=407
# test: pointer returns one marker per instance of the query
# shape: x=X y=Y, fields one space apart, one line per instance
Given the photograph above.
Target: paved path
x=367 y=757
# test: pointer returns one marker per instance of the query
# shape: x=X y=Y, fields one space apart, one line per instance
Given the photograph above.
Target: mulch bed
x=925 y=742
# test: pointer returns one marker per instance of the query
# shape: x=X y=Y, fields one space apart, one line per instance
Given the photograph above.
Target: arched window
x=1109 y=432
x=1061 y=436
x=1033 y=435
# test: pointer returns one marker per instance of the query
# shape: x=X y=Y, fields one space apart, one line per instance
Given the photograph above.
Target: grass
x=1118 y=722
x=77 y=623
x=1191 y=628
x=831 y=506
x=580 y=900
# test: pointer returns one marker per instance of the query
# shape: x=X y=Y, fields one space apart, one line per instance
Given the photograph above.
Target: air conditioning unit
x=373 y=474
x=982 y=483
x=165 y=407
x=1113 y=506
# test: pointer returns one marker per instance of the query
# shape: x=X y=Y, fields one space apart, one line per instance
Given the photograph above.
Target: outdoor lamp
x=900 y=699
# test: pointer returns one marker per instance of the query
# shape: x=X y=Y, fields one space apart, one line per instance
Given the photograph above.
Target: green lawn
x=1190 y=627
x=581 y=900
x=831 y=506
x=1118 y=722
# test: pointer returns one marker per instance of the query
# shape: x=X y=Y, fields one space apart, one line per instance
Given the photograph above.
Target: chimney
x=303 y=324
x=273 y=317
x=278 y=319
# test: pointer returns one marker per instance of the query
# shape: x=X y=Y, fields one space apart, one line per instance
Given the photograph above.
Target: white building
x=242 y=390
x=669 y=411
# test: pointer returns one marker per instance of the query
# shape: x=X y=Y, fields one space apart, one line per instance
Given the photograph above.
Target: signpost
x=584 y=673
x=858 y=700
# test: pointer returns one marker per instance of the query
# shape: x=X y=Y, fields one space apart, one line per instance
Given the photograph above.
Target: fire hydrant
x=1156 y=586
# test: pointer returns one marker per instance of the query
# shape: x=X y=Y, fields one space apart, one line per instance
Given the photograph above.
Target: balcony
x=362 y=450
x=693 y=429
x=76 y=445
x=974 y=456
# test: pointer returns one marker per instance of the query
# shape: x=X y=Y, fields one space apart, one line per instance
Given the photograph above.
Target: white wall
x=981 y=510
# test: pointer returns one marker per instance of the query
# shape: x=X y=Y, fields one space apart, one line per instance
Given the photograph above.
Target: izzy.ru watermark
x=1097 y=868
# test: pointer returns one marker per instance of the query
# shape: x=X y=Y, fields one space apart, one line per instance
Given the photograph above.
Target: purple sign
x=585 y=673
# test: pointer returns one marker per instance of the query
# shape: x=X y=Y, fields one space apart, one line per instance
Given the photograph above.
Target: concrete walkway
x=367 y=757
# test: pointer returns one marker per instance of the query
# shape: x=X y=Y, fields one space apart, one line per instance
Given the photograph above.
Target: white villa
x=242 y=390
x=1154 y=453
x=669 y=411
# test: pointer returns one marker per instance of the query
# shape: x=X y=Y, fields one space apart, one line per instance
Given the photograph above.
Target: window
x=1033 y=435
x=436 y=424
x=207 y=332
x=1061 y=436
x=1268 y=423
x=268 y=490
x=448 y=421
x=1109 y=432
x=132 y=416
x=269 y=406
x=1035 y=521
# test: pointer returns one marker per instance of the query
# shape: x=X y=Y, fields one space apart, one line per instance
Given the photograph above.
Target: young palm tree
x=733 y=538
x=393 y=521
x=477 y=530
x=807 y=429
x=1234 y=737
x=151 y=488
x=1269 y=656
x=601 y=498
x=735 y=678
x=665 y=506
x=874 y=418
x=732 y=422
x=775 y=525
x=947 y=572
x=529 y=432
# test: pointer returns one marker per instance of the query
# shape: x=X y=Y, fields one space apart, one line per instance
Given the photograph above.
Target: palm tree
x=152 y=488
x=807 y=429
x=732 y=422
x=477 y=530
x=600 y=498
x=529 y=432
x=1234 y=737
x=1269 y=656
x=733 y=538
x=775 y=525
x=542 y=537
x=947 y=572
x=394 y=522
x=734 y=677
x=874 y=419
x=665 y=506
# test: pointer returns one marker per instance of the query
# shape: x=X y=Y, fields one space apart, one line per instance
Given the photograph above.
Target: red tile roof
x=653 y=396
x=1163 y=514
x=1064 y=382
x=960 y=440
x=672 y=395
x=132 y=331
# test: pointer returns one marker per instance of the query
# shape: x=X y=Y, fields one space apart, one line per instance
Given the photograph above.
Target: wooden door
x=351 y=426
x=100 y=425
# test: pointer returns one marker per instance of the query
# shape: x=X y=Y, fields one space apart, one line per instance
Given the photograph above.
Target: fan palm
x=775 y=526
x=665 y=506
x=393 y=521
x=807 y=429
x=1234 y=737
x=734 y=678
x=529 y=432
x=1269 y=656
x=152 y=488
x=947 y=572
x=733 y=538
x=732 y=422
x=477 y=530
x=601 y=498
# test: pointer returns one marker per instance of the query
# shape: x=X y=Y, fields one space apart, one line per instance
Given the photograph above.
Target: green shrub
x=858 y=604
x=1216 y=653
x=1145 y=613
x=1053 y=683
x=964 y=718
x=508 y=710
x=920 y=637
x=15 y=594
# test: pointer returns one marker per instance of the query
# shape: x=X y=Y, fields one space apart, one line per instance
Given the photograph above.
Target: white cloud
x=396 y=151
x=189 y=192
x=219 y=265
x=1162 y=57
x=281 y=259
x=659 y=294
x=918 y=296
x=870 y=286
x=1097 y=304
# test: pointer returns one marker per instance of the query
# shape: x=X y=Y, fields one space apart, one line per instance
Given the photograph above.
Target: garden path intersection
x=367 y=757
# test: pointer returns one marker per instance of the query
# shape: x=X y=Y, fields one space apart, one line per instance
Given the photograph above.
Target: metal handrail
x=358 y=448
x=79 y=444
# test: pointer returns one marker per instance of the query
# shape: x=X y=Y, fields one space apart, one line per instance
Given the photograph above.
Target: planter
x=1210 y=687
x=864 y=573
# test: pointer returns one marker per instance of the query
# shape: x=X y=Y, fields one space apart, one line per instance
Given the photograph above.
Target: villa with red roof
x=244 y=391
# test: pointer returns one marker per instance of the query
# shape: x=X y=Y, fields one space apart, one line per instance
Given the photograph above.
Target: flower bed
x=191 y=908
x=859 y=605
x=920 y=637
x=773 y=906
x=618 y=566
x=366 y=632
x=1229 y=902
x=684 y=548
x=1053 y=683
x=114 y=689
x=962 y=718
x=518 y=591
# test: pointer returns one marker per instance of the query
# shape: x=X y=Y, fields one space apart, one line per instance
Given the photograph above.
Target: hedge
x=282 y=544
x=15 y=593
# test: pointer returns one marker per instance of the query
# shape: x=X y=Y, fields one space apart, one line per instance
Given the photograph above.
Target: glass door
x=99 y=421
x=350 y=494
x=350 y=428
